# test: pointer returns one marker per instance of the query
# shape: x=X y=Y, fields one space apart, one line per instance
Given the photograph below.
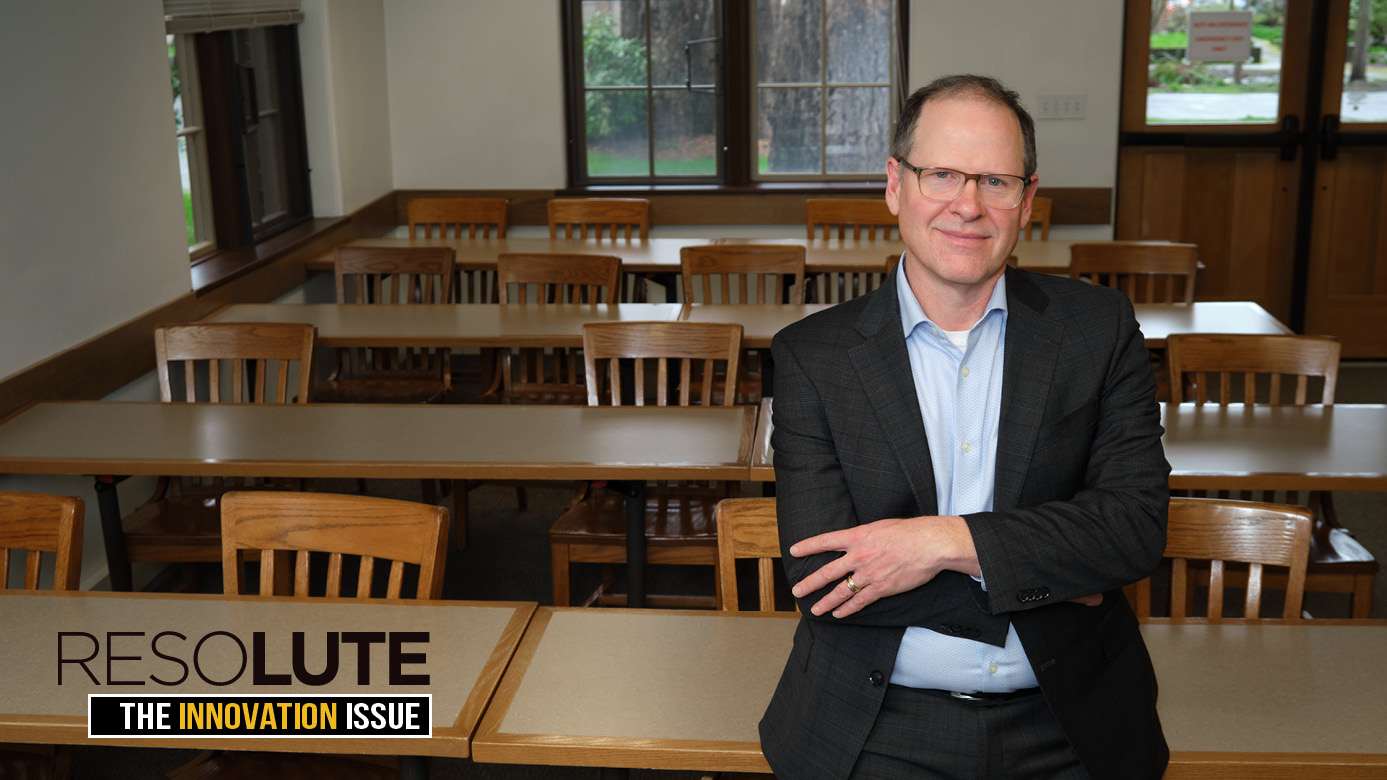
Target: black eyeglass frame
x=967 y=177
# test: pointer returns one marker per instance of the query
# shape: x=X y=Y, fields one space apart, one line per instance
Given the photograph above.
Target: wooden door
x=1229 y=184
x=1346 y=293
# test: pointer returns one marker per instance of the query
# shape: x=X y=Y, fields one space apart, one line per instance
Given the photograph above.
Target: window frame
x=193 y=135
x=737 y=161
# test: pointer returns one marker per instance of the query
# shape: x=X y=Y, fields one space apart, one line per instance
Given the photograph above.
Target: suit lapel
x=1032 y=347
x=883 y=366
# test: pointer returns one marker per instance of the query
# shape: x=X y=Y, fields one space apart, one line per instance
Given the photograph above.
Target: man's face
x=962 y=243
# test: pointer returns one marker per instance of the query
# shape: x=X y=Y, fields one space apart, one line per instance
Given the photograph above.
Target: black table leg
x=414 y=768
x=634 y=491
x=117 y=562
x=614 y=773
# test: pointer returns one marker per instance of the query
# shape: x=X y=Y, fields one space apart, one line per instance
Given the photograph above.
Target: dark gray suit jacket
x=1079 y=508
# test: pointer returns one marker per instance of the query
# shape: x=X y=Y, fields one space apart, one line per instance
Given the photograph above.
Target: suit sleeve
x=812 y=496
x=1111 y=532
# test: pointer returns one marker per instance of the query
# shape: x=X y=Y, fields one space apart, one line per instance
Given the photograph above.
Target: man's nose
x=968 y=203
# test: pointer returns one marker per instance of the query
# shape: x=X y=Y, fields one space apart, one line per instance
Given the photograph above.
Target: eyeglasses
x=995 y=190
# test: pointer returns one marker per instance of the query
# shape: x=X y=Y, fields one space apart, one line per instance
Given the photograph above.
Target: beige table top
x=684 y=690
x=451 y=325
x=379 y=441
x=760 y=321
x=638 y=688
x=637 y=255
x=1341 y=447
x=1242 y=700
x=1159 y=320
x=469 y=645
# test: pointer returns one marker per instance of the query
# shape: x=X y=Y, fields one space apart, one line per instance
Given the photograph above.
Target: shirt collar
x=912 y=315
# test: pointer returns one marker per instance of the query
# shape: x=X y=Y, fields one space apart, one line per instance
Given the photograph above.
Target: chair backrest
x=1220 y=532
x=843 y=285
x=746 y=273
x=697 y=348
x=611 y=216
x=36 y=523
x=394 y=274
x=278 y=529
x=1196 y=357
x=747 y=529
x=484 y=215
x=868 y=217
x=1147 y=271
x=1040 y=215
x=257 y=352
x=559 y=278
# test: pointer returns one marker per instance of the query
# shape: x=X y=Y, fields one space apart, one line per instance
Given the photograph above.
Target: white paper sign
x=1220 y=36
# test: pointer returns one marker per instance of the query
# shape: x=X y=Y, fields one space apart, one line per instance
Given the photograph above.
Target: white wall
x=91 y=211
x=476 y=94
x=342 y=52
x=1054 y=47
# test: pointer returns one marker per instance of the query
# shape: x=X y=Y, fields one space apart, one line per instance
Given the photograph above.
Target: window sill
x=806 y=188
x=218 y=268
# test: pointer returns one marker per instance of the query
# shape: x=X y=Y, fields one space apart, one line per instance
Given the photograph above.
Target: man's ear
x=893 y=185
x=1028 y=199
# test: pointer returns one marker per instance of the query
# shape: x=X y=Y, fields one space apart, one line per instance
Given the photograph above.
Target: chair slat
x=397 y=577
x=365 y=577
x=334 y=575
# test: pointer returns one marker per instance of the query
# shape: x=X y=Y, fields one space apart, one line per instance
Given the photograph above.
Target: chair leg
x=558 y=571
x=1362 y=604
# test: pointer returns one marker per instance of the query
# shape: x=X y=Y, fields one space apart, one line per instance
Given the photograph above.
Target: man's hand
x=1091 y=600
x=885 y=558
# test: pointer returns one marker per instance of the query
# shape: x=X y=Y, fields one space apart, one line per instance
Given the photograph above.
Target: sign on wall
x=1220 y=36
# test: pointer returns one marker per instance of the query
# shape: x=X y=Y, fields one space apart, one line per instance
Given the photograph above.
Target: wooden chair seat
x=187 y=527
x=680 y=529
x=381 y=389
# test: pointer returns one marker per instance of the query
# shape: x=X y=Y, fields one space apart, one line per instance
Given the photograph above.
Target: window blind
x=201 y=16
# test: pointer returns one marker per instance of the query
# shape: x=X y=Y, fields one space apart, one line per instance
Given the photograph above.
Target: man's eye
x=994 y=181
x=943 y=175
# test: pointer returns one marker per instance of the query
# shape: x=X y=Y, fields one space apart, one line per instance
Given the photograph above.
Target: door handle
x=1329 y=137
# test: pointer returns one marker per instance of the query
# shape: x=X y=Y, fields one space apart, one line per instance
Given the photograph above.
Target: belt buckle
x=965 y=696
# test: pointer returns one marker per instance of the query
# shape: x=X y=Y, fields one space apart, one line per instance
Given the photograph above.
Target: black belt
x=979 y=695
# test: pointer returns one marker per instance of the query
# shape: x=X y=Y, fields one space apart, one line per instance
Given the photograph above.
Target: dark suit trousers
x=928 y=736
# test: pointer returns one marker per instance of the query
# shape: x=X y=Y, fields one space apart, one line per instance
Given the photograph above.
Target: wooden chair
x=370 y=275
x=839 y=286
x=268 y=527
x=1203 y=368
x=836 y=216
x=484 y=217
x=614 y=218
x=744 y=273
x=747 y=528
x=600 y=215
x=180 y=522
x=287 y=534
x=539 y=375
x=1040 y=215
x=32 y=524
x=679 y=525
x=36 y=523
x=1147 y=271
x=1215 y=532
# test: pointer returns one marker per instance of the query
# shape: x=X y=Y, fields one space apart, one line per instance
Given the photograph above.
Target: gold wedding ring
x=852 y=586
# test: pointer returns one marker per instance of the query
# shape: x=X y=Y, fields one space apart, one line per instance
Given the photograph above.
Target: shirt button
x=992 y=668
x=934 y=330
x=965 y=371
x=967 y=447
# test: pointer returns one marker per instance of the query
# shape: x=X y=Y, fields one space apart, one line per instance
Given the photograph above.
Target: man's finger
x=834 y=600
x=833 y=540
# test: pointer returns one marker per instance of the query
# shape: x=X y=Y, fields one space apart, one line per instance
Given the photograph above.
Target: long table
x=470 y=644
x=684 y=690
x=537 y=325
x=661 y=255
x=1235 y=447
x=378 y=441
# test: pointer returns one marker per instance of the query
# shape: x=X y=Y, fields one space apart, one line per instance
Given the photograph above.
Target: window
x=192 y=146
x=238 y=109
x=709 y=92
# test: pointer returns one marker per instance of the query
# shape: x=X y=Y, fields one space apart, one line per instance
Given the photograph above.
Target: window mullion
x=649 y=96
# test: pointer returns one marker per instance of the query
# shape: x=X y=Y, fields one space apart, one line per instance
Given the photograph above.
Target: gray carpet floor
x=508 y=558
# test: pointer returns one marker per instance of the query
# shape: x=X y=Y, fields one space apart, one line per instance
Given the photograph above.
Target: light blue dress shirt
x=958 y=382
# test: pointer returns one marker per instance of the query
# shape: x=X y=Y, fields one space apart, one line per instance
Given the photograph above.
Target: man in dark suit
x=968 y=469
